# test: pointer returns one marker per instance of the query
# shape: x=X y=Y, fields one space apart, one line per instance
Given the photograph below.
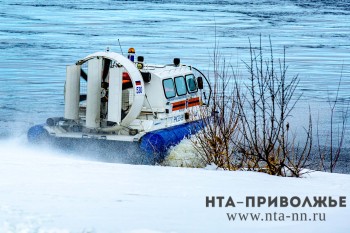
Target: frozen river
x=39 y=38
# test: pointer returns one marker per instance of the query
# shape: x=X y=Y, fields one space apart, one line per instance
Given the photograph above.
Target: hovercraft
x=127 y=106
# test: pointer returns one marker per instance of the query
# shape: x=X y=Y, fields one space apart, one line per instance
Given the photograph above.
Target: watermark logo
x=276 y=202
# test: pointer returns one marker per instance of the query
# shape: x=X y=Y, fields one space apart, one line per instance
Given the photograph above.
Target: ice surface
x=46 y=191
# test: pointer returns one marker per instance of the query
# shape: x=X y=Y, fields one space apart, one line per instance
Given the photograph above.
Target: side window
x=180 y=86
x=169 y=89
x=191 y=83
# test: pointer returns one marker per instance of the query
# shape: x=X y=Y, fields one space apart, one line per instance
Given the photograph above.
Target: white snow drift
x=46 y=191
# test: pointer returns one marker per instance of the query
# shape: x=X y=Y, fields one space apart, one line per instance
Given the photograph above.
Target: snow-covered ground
x=46 y=191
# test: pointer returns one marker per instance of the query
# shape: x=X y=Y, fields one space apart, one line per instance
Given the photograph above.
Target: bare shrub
x=264 y=109
x=220 y=120
x=330 y=151
x=248 y=127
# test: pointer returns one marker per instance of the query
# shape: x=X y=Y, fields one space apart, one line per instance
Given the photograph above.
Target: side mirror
x=200 y=83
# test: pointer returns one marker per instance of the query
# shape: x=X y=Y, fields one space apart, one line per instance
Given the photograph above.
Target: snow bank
x=45 y=191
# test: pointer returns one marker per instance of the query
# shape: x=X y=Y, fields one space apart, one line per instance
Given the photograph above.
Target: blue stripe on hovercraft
x=156 y=143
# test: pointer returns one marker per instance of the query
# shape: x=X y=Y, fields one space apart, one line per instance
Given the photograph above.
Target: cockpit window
x=180 y=86
x=169 y=88
x=191 y=83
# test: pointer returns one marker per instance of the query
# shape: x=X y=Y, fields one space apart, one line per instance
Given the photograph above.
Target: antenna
x=120 y=47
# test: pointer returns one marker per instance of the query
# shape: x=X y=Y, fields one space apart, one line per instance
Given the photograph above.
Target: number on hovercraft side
x=138 y=90
x=178 y=118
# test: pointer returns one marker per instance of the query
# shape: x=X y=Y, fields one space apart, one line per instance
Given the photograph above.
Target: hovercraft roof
x=164 y=71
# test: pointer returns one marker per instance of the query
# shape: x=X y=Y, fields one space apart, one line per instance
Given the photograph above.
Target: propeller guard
x=136 y=79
